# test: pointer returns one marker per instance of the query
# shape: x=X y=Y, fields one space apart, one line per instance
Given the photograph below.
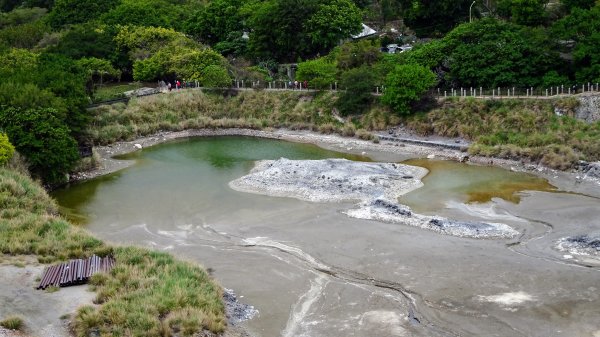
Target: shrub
x=214 y=76
x=6 y=149
x=12 y=323
x=359 y=84
x=319 y=73
x=364 y=134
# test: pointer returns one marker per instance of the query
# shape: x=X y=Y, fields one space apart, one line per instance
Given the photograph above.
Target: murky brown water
x=312 y=271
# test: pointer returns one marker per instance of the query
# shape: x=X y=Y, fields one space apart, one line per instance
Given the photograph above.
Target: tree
x=70 y=12
x=156 y=13
x=6 y=149
x=43 y=139
x=21 y=16
x=435 y=17
x=583 y=27
x=333 y=21
x=215 y=22
x=159 y=52
x=581 y=4
x=89 y=40
x=523 y=12
x=98 y=68
x=356 y=54
x=214 y=76
x=359 y=84
x=489 y=53
x=24 y=36
x=289 y=29
x=32 y=80
x=405 y=85
x=319 y=73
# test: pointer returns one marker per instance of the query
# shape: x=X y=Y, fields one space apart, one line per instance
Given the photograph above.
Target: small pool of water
x=185 y=173
x=453 y=181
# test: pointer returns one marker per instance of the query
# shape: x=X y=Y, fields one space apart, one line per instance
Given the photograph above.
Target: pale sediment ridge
x=374 y=185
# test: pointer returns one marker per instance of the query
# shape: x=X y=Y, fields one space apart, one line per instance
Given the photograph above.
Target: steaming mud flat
x=310 y=269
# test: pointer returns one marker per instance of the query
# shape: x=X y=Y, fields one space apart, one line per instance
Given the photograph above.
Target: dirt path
x=45 y=314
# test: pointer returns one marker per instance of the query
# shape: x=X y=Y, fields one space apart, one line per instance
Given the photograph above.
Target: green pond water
x=195 y=172
x=183 y=174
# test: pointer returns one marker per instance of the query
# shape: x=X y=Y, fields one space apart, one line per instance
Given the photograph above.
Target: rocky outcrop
x=589 y=108
x=591 y=170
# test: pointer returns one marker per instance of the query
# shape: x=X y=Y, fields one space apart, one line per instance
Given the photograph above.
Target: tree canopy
x=405 y=85
x=290 y=29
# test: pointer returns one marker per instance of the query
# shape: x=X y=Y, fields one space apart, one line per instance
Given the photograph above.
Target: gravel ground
x=11 y=333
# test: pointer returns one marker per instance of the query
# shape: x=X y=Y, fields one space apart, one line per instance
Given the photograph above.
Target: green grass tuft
x=12 y=323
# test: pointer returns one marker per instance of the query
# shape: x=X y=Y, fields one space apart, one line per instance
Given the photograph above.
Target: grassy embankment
x=147 y=294
x=516 y=129
x=526 y=130
x=191 y=109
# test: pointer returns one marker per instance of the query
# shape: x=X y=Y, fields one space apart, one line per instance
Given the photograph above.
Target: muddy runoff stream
x=311 y=269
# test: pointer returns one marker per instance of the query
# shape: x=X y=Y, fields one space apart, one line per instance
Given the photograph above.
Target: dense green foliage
x=405 y=85
x=288 y=29
x=436 y=17
x=43 y=139
x=155 y=13
x=159 y=53
x=319 y=73
x=583 y=27
x=6 y=149
x=70 y=12
x=42 y=109
x=147 y=294
x=490 y=53
x=358 y=84
x=523 y=12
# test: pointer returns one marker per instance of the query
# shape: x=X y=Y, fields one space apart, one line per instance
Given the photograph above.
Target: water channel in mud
x=311 y=270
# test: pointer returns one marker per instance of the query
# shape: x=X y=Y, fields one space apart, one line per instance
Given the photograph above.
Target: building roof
x=367 y=31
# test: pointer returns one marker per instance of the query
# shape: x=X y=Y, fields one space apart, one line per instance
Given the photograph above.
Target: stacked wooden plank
x=75 y=271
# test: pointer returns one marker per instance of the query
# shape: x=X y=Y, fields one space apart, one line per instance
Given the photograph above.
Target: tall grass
x=188 y=109
x=516 y=129
x=146 y=294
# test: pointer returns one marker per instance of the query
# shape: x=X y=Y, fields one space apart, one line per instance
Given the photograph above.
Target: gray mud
x=312 y=271
x=43 y=312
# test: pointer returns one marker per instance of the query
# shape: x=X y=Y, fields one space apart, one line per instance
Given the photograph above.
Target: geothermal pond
x=322 y=269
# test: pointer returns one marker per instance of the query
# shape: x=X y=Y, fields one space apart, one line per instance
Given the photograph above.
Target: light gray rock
x=589 y=108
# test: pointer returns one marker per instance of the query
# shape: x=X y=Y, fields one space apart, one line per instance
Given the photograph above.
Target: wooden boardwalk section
x=75 y=271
